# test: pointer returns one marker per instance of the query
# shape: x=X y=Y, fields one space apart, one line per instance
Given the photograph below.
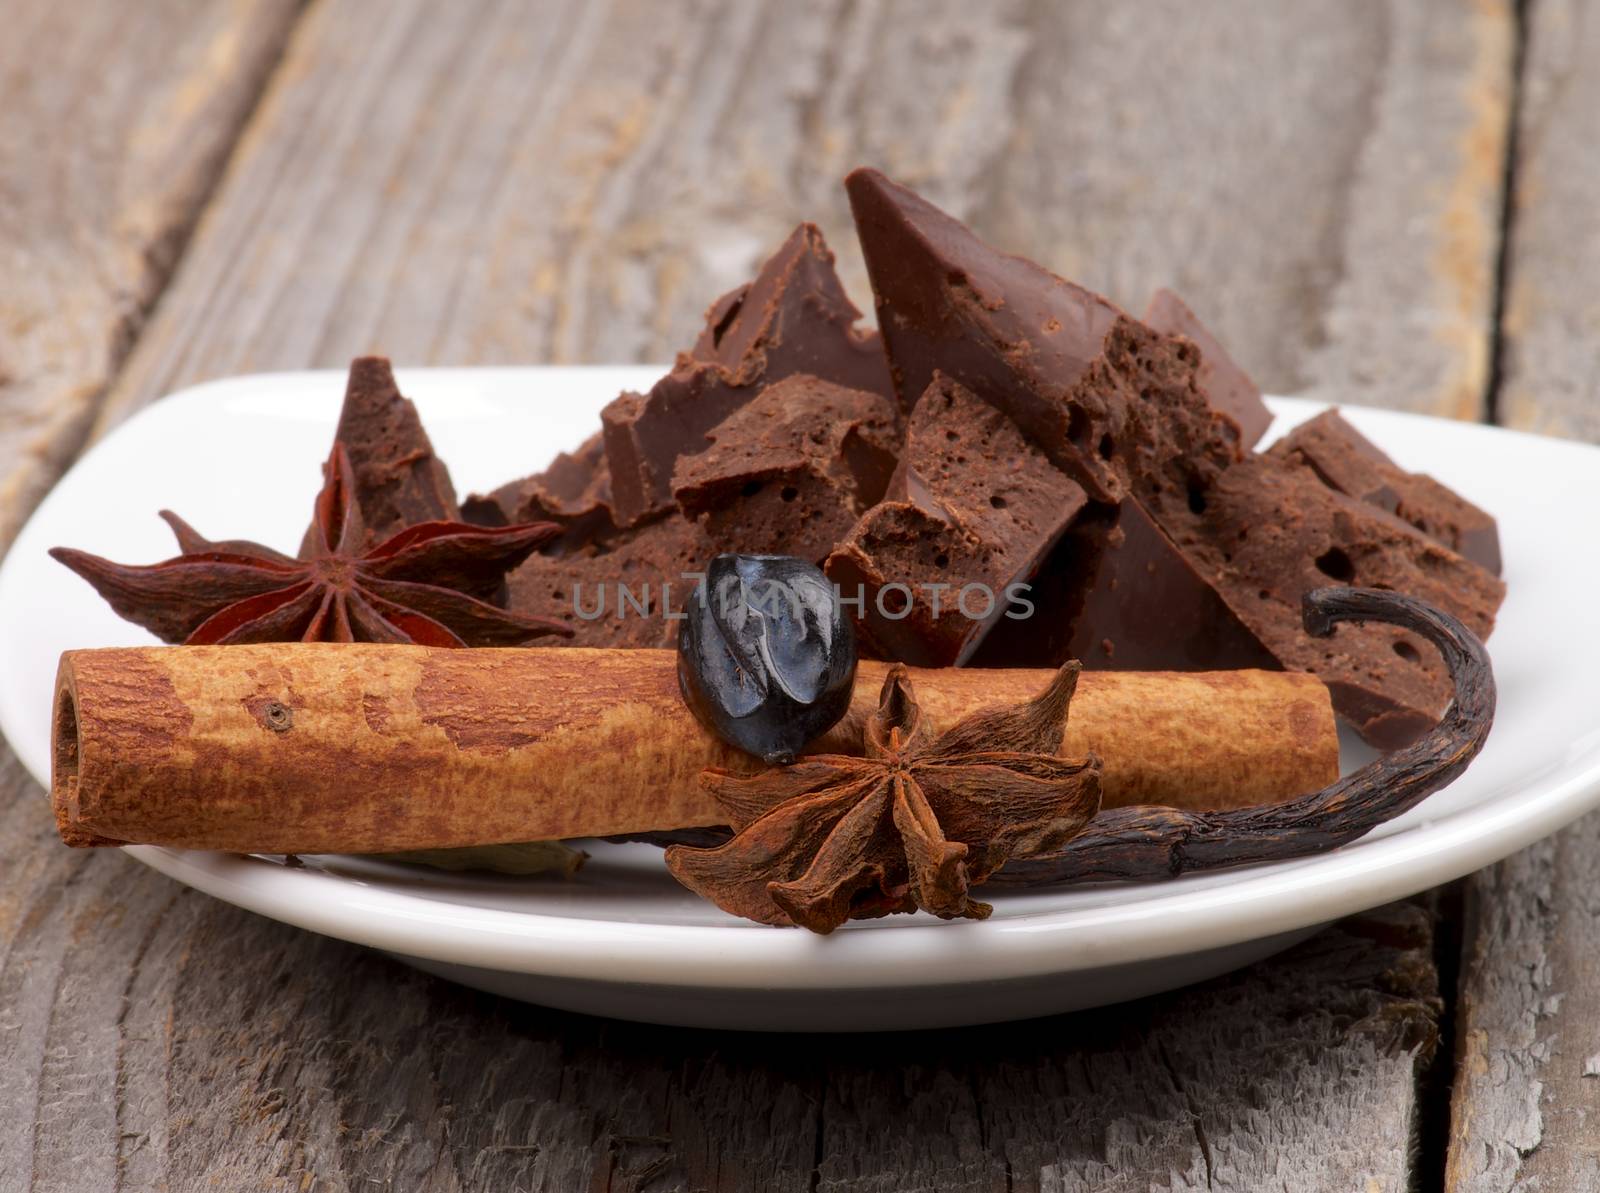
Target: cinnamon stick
x=320 y=748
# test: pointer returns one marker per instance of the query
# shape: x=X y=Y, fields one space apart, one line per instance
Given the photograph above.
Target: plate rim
x=1256 y=902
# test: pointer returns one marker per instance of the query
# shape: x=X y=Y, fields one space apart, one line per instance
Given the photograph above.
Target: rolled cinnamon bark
x=307 y=748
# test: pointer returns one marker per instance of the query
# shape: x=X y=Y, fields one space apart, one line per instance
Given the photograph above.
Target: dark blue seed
x=766 y=656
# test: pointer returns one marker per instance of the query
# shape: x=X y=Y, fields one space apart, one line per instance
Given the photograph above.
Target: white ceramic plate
x=241 y=458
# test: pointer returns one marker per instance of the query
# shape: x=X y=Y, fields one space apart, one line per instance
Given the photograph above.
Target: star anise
x=429 y=583
x=915 y=823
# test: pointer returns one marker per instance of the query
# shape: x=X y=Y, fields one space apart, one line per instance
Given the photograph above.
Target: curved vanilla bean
x=1151 y=843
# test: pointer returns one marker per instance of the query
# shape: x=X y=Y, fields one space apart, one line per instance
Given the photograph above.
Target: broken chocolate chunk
x=1103 y=396
x=1118 y=595
x=790 y=472
x=1268 y=531
x=398 y=479
x=618 y=591
x=574 y=492
x=972 y=511
x=1225 y=384
x=1349 y=462
x=793 y=318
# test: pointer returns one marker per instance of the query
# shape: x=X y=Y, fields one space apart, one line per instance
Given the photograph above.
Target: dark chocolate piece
x=399 y=480
x=1225 y=384
x=973 y=503
x=1267 y=531
x=793 y=318
x=1349 y=462
x=626 y=583
x=1118 y=595
x=791 y=472
x=574 y=492
x=1103 y=396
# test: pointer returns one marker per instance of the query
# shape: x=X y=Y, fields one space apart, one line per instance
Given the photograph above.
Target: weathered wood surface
x=1551 y=327
x=1526 y=1111
x=508 y=183
x=1526 y=1106
x=157 y=1038
x=570 y=182
x=115 y=119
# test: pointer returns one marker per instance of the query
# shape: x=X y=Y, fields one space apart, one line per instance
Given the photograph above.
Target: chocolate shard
x=1118 y=595
x=793 y=318
x=399 y=480
x=646 y=434
x=1102 y=395
x=1347 y=461
x=1225 y=384
x=574 y=492
x=971 y=511
x=789 y=473
x=1267 y=531
x=621 y=590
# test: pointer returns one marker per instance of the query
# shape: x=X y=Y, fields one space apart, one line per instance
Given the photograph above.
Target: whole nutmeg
x=766 y=656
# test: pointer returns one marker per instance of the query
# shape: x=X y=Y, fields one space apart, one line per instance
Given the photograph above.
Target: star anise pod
x=915 y=823
x=429 y=583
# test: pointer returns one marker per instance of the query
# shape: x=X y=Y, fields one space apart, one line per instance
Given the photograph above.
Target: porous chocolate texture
x=399 y=479
x=790 y=472
x=1227 y=386
x=1117 y=594
x=1115 y=405
x=617 y=590
x=574 y=492
x=1347 y=461
x=1266 y=531
x=972 y=503
x=793 y=318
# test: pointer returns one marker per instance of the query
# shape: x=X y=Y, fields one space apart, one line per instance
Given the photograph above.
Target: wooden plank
x=117 y=118
x=1528 y=1034
x=1551 y=344
x=1278 y=1077
x=1528 y=1037
x=578 y=186
x=154 y=1034
x=1322 y=181
x=509 y=184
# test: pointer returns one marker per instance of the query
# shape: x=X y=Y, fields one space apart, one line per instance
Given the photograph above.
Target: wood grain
x=1551 y=332
x=117 y=118
x=578 y=187
x=1322 y=184
x=1528 y=1035
x=1528 y=1043
x=506 y=182
x=155 y=1038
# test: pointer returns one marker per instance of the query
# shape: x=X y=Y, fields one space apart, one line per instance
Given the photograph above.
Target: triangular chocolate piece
x=399 y=480
x=1118 y=595
x=1229 y=387
x=1110 y=402
x=793 y=318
